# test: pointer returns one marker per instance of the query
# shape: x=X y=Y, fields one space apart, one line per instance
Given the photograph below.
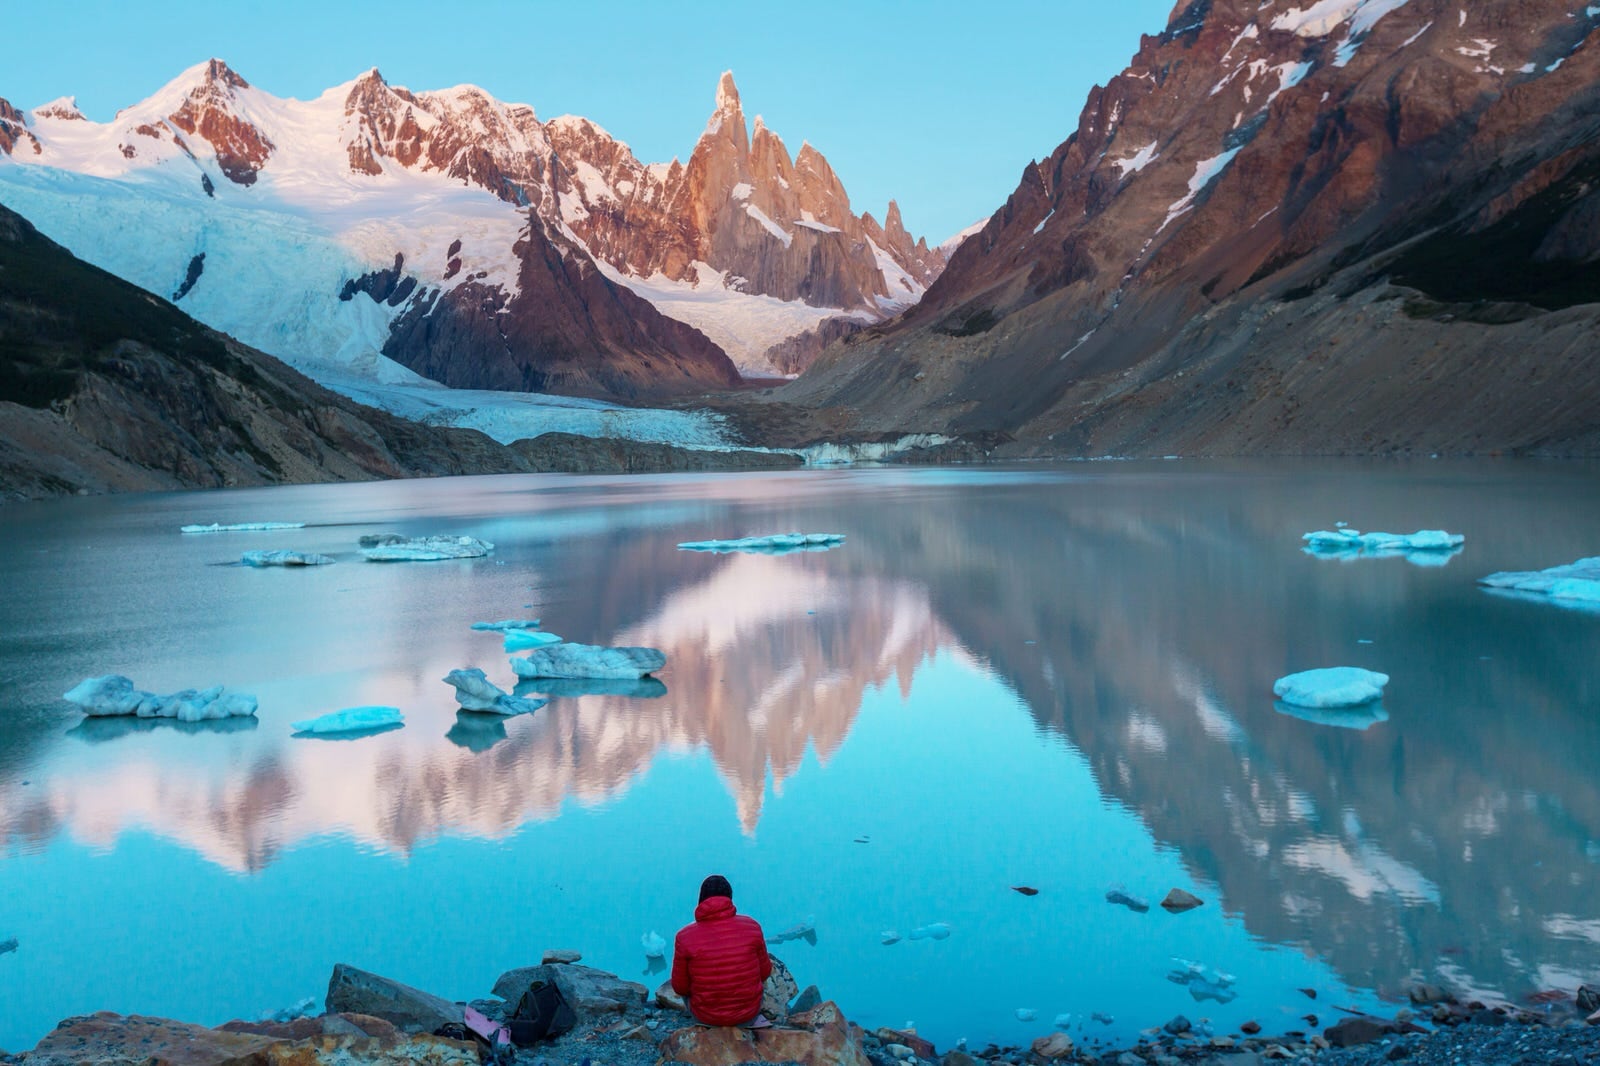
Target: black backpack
x=541 y=1014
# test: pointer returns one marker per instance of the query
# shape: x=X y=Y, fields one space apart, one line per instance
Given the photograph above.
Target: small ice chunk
x=654 y=946
x=775 y=544
x=526 y=639
x=1063 y=1021
x=889 y=936
x=935 y=931
x=114 y=694
x=427 y=549
x=1334 y=686
x=350 y=720
x=284 y=557
x=475 y=692
x=589 y=660
x=243 y=527
x=806 y=930
x=1026 y=1014
x=1102 y=1018
x=506 y=624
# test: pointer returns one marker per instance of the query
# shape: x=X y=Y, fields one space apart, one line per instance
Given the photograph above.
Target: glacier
x=475 y=692
x=241 y=527
x=350 y=720
x=1574 y=585
x=588 y=660
x=114 y=694
x=426 y=549
x=773 y=544
x=1334 y=686
x=284 y=557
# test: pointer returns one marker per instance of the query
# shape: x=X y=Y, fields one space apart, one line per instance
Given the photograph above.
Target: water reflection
x=1450 y=833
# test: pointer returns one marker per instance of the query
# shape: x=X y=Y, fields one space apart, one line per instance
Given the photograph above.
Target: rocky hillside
x=105 y=387
x=1343 y=226
x=458 y=236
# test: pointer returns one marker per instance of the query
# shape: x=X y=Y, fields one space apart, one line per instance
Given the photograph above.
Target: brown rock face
x=207 y=112
x=14 y=129
x=824 y=1039
x=1275 y=233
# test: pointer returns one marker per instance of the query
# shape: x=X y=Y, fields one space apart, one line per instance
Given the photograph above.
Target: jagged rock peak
x=63 y=107
x=9 y=113
x=218 y=71
x=728 y=94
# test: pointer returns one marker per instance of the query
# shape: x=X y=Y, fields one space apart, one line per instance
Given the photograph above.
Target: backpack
x=541 y=1014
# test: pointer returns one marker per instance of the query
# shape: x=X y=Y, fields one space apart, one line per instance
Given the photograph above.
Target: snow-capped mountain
x=381 y=233
x=1310 y=226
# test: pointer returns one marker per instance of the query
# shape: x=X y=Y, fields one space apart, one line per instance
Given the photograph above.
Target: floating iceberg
x=1573 y=585
x=776 y=544
x=284 y=557
x=589 y=660
x=114 y=694
x=1335 y=686
x=936 y=931
x=243 y=527
x=351 y=720
x=505 y=625
x=1203 y=982
x=389 y=548
x=806 y=930
x=1426 y=547
x=635 y=688
x=1026 y=1014
x=654 y=946
x=1363 y=717
x=890 y=937
x=527 y=639
x=475 y=692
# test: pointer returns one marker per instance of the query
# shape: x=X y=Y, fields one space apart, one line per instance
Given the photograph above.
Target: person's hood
x=714 y=908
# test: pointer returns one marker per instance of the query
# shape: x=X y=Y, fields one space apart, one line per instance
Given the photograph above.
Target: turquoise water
x=1051 y=676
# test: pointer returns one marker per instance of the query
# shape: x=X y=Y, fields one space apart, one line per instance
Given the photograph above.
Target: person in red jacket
x=719 y=963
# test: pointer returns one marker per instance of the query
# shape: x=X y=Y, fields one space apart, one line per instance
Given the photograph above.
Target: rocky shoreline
x=368 y=1018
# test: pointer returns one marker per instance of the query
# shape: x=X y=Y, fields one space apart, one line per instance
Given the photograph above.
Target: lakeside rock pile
x=373 y=1019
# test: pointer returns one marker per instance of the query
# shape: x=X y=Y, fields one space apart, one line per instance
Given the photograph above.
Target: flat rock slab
x=111 y=1038
x=587 y=990
x=356 y=991
x=826 y=1039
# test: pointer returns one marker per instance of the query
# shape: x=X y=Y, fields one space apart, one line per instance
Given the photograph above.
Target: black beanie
x=715 y=885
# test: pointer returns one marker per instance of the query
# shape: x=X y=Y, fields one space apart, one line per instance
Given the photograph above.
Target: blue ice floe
x=1026 y=1014
x=1575 y=585
x=114 y=694
x=393 y=548
x=350 y=720
x=775 y=544
x=506 y=625
x=589 y=660
x=654 y=946
x=934 y=931
x=1203 y=982
x=1334 y=686
x=242 y=527
x=1426 y=547
x=475 y=692
x=528 y=639
x=284 y=557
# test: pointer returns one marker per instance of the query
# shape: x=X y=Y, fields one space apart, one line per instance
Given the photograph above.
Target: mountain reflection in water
x=1139 y=614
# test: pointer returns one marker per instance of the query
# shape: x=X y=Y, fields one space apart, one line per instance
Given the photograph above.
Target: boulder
x=957 y=1057
x=824 y=1038
x=920 y=1046
x=1588 y=997
x=588 y=991
x=1178 y=1026
x=1178 y=901
x=1423 y=995
x=108 y=1037
x=358 y=992
x=667 y=999
x=1359 y=1030
x=809 y=997
x=776 y=994
x=1054 y=1046
x=561 y=956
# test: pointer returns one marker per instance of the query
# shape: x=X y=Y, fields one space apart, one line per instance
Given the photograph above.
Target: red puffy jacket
x=720 y=963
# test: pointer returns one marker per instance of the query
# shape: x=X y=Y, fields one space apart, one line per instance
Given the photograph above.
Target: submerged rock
x=1123 y=899
x=114 y=694
x=806 y=930
x=350 y=720
x=426 y=549
x=8 y=946
x=475 y=692
x=1334 y=686
x=284 y=557
x=588 y=660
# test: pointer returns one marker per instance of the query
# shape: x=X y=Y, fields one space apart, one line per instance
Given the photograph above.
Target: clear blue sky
x=937 y=104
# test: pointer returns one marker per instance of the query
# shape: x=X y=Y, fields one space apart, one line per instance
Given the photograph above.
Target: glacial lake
x=1052 y=676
